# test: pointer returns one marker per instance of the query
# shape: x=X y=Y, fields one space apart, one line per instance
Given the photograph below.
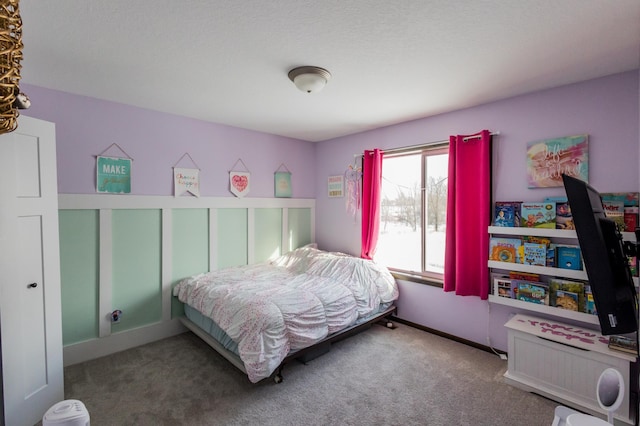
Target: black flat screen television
x=614 y=293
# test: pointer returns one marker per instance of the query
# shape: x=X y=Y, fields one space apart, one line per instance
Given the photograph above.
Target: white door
x=30 y=303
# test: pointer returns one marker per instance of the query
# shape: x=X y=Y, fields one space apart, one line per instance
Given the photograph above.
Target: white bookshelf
x=581 y=275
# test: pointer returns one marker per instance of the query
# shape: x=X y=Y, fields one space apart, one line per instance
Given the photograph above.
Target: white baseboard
x=92 y=349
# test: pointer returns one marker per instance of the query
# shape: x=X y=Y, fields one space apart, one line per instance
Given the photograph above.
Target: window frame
x=423 y=276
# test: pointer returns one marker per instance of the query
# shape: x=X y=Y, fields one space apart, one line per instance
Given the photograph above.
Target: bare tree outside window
x=437 y=201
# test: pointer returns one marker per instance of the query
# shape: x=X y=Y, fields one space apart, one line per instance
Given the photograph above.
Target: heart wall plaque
x=239 y=183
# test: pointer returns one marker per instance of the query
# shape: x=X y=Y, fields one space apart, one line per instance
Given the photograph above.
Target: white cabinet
x=564 y=362
x=558 y=235
x=30 y=303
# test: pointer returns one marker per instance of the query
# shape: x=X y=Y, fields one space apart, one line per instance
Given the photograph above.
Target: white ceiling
x=226 y=61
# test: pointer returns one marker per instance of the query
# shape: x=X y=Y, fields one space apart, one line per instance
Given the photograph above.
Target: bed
x=259 y=317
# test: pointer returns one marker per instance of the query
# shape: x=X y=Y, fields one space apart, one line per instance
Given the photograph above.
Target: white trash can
x=70 y=412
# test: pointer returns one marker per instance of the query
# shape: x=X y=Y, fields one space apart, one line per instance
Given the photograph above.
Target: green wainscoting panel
x=299 y=233
x=268 y=226
x=79 y=274
x=232 y=237
x=137 y=267
x=190 y=248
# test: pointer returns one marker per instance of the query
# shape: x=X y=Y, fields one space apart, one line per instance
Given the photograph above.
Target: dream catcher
x=353 y=179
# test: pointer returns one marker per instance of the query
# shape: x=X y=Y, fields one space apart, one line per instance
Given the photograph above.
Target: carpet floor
x=382 y=376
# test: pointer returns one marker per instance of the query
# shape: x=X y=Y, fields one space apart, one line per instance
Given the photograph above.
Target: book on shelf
x=505 y=249
x=564 y=218
x=502 y=287
x=568 y=257
x=533 y=292
x=551 y=256
x=613 y=204
x=507 y=213
x=514 y=289
x=590 y=304
x=633 y=265
x=524 y=276
x=535 y=254
x=625 y=343
x=630 y=198
x=550 y=248
x=538 y=215
x=630 y=218
x=630 y=202
x=567 y=300
x=560 y=290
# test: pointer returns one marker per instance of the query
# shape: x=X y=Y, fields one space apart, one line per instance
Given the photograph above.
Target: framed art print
x=335 y=186
x=186 y=181
x=282 y=184
x=548 y=160
x=239 y=183
x=113 y=175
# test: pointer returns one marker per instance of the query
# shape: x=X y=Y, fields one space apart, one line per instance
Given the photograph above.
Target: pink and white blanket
x=271 y=309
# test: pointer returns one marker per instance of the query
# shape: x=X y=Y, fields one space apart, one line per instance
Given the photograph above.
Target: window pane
x=436 y=168
x=400 y=239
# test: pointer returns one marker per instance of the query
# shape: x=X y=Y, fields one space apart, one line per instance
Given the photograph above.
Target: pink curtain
x=371 y=188
x=468 y=215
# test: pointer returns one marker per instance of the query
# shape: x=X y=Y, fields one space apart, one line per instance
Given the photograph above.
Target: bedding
x=274 y=308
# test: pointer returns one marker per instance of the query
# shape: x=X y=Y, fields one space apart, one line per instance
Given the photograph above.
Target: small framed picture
x=282 y=184
x=335 y=186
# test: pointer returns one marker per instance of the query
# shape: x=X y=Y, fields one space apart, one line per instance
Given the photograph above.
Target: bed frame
x=303 y=355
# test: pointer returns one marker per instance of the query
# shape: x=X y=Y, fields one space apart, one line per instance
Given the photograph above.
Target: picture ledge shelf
x=545 y=309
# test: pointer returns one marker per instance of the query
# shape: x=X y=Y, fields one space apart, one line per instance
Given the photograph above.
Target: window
x=413 y=212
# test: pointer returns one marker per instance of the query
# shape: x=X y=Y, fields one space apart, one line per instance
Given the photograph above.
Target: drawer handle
x=32 y=285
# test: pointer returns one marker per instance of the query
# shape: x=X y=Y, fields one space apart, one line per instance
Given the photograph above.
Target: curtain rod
x=427 y=145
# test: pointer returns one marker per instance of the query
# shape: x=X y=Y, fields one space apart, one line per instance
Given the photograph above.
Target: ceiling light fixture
x=309 y=79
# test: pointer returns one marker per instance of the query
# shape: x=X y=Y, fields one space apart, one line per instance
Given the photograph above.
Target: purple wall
x=607 y=109
x=86 y=127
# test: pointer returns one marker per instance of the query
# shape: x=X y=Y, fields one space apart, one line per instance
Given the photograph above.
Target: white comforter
x=270 y=309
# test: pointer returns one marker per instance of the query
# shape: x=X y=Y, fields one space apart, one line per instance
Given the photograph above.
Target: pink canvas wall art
x=549 y=159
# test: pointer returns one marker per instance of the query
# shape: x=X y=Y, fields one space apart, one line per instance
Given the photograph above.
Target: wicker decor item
x=10 y=57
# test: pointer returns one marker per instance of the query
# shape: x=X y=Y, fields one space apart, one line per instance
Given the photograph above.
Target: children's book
x=625 y=343
x=551 y=255
x=569 y=257
x=562 y=288
x=564 y=218
x=514 y=289
x=540 y=240
x=633 y=265
x=613 y=204
x=507 y=213
x=504 y=215
x=502 y=287
x=630 y=218
x=535 y=254
x=631 y=203
x=590 y=304
x=533 y=292
x=505 y=249
x=550 y=248
x=567 y=300
x=629 y=199
x=539 y=215
x=524 y=276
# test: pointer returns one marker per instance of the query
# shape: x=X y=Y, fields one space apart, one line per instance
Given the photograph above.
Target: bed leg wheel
x=277 y=378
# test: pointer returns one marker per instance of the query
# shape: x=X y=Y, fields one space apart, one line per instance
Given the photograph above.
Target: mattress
x=212 y=329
